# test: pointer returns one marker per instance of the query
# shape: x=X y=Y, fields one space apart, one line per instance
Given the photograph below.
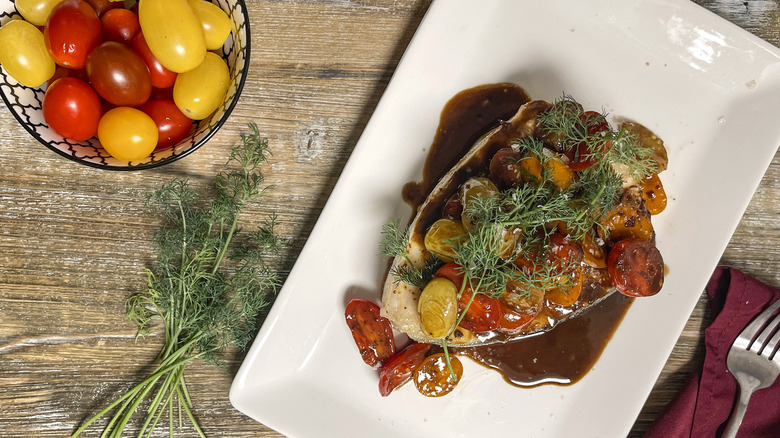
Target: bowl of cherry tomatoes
x=123 y=85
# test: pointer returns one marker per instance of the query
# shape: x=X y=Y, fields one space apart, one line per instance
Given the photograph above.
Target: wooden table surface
x=74 y=241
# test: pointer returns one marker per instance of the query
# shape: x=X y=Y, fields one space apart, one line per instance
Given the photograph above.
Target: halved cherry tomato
x=399 y=368
x=120 y=25
x=372 y=333
x=513 y=322
x=563 y=252
x=483 y=315
x=452 y=272
x=433 y=377
x=161 y=76
x=654 y=194
x=580 y=157
x=595 y=121
x=569 y=293
x=71 y=32
x=636 y=268
x=505 y=168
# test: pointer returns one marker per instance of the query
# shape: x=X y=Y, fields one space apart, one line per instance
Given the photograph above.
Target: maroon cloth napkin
x=704 y=405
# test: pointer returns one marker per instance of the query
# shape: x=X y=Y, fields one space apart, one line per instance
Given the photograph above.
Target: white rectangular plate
x=708 y=88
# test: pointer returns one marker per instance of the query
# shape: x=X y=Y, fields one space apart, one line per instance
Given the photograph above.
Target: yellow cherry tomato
x=173 y=33
x=215 y=22
x=128 y=134
x=200 y=91
x=23 y=53
x=36 y=11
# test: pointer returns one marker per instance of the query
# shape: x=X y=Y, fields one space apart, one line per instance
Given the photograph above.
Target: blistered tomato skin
x=71 y=32
x=119 y=75
x=72 y=108
x=173 y=32
x=399 y=368
x=128 y=134
x=636 y=268
x=199 y=92
x=23 y=53
x=372 y=333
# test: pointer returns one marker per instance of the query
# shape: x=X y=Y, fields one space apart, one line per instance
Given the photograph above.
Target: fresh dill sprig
x=394 y=243
x=209 y=285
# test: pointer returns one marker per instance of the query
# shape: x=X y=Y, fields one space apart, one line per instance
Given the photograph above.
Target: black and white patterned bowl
x=25 y=103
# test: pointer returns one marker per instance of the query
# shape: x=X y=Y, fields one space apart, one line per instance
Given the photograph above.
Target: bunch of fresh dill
x=209 y=285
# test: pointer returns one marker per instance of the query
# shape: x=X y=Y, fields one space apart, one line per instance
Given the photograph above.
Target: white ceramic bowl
x=25 y=103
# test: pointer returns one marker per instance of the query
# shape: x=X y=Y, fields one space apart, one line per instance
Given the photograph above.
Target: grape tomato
x=72 y=30
x=120 y=25
x=372 y=333
x=215 y=22
x=161 y=76
x=173 y=32
x=72 y=108
x=172 y=125
x=23 y=53
x=36 y=11
x=128 y=134
x=399 y=368
x=119 y=75
x=199 y=92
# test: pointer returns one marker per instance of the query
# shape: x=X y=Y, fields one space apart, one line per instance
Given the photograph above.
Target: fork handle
x=745 y=391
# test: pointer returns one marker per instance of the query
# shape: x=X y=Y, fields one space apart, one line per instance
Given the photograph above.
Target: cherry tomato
x=161 y=76
x=23 y=53
x=513 y=322
x=119 y=75
x=563 y=251
x=399 y=368
x=172 y=125
x=103 y=6
x=505 y=169
x=595 y=121
x=72 y=109
x=372 y=333
x=200 y=91
x=120 y=25
x=636 y=268
x=568 y=293
x=128 y=134
x=581 y=157
x=36 y=11
x=483 y=315
x=215 y=22
x=654 y=194
x=71 y=32
x=433 y=377
x=173 y=32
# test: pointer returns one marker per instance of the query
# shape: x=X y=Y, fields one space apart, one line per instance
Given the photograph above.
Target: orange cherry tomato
x=433 y=377
x=372 y=333
x=513 y=322
x=654 y=194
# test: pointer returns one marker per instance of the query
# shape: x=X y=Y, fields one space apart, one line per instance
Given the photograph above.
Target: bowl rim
x=197 y=145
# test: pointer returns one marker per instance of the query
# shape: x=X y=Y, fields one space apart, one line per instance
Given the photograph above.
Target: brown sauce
x=566 y=353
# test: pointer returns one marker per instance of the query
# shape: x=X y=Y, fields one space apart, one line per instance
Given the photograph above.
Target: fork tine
x=771 y=346
x=758 y=344
x=745 y=338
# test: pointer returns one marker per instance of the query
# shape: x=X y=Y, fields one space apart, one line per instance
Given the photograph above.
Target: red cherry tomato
x=161 y=76
x=120 y=25
x=484 y=312
x=72 y=109
x=581 y=158
x=119 y=75
x=102 y=6
x=433 y=377
x=483 y=315
x=172 y=124
x=513 y=322
x=563 y=252
x=635 y=267
x=71 y=32
x=372 y=333
x=399 y=368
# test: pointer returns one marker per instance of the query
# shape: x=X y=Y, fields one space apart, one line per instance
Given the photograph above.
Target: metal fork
x=753 y=361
